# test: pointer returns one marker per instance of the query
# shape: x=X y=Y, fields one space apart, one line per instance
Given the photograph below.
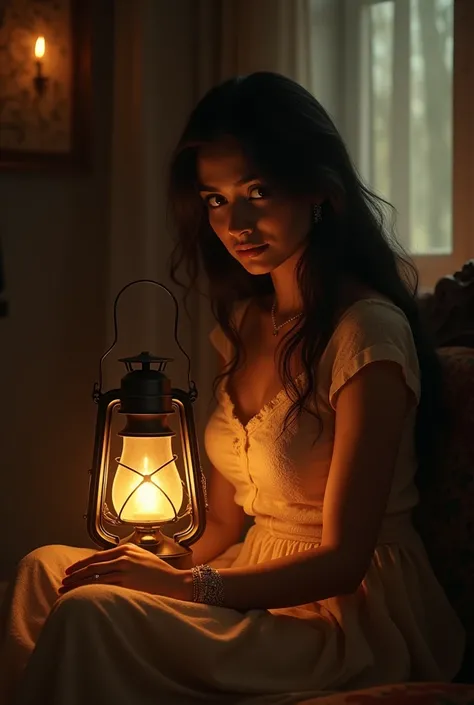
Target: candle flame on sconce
x=40 y=47
x=40 y=81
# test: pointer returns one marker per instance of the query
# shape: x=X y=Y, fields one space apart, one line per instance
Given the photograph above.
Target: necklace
x=289 y=320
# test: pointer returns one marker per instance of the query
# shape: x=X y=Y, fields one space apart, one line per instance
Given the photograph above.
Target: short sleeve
x=371 y=331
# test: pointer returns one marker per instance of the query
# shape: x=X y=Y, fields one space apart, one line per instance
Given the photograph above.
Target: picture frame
x=45 y=103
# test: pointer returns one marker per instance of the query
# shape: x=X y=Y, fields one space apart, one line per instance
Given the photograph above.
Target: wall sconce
x=39 y=80
x=145 y=489
x=46 y=84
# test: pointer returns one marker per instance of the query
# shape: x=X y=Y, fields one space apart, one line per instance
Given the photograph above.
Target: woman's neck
x=288 y=299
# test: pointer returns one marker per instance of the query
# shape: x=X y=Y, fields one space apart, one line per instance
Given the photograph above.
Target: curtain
x=153 y=92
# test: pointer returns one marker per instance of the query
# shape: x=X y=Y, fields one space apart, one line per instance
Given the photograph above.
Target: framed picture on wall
x=45 y=83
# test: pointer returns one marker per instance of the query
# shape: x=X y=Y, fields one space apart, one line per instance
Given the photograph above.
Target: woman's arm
x=224 y=521
x=370 y=413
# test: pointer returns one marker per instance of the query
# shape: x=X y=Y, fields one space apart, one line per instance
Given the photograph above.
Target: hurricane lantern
x=142 y=489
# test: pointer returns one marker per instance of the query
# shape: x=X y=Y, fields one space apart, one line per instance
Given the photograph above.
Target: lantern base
x=166 y=548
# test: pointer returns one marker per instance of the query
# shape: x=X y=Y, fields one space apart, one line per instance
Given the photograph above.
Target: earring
x=317 y=214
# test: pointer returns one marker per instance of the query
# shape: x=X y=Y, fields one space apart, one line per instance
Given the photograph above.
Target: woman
x=327 y=393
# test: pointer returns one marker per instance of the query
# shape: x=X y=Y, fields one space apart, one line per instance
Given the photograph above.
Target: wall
x=54 y=233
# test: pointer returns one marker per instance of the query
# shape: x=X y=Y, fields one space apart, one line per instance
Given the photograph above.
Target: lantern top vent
x=146 y=360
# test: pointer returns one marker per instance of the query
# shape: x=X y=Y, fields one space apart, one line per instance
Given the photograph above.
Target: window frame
x=431 y=267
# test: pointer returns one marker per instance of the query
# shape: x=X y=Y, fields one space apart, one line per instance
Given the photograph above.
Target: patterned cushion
x=405 y=693
x=446 y=512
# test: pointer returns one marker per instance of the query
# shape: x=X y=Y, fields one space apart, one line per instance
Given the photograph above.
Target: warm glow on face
x=40 y=47
x=146 y=495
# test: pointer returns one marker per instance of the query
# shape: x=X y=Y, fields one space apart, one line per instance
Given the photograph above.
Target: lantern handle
x=97 y=392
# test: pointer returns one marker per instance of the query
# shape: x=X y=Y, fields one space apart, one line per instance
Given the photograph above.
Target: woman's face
x=260 y=227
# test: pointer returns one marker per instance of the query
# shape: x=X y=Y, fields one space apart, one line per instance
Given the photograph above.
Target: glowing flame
x=40 y=47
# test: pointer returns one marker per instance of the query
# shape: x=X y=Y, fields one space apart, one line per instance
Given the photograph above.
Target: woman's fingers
x=112 y=578
x=87 y=573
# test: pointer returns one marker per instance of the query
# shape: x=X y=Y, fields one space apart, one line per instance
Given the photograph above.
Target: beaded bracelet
x=208 y=586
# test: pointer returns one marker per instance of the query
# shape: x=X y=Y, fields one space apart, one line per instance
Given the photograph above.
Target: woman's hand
x=131 y=567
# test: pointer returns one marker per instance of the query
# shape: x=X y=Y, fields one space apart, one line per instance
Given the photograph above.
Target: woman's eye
x=214 y=200
x=258 y=192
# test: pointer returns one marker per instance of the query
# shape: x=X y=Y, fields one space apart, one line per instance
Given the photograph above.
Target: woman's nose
x=242 y=219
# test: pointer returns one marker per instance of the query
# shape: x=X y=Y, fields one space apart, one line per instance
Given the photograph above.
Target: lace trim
x=265 y=411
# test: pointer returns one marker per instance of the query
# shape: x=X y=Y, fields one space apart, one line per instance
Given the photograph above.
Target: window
x=399 y=118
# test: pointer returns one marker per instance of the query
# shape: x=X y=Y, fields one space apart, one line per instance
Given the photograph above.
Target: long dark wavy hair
x=294 y=145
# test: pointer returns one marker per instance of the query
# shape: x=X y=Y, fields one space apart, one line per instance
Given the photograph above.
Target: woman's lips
x=252 y=251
